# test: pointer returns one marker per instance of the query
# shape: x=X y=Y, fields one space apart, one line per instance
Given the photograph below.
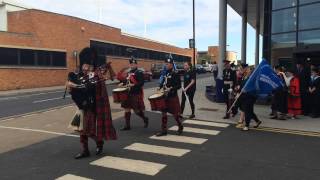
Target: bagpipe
x=84 y=82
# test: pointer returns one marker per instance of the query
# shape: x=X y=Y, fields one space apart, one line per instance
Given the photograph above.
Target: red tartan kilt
x=89 y=123
x=173 y=105
x=134 y=102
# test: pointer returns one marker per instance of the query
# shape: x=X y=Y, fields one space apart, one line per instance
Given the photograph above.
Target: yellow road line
x=288 y=131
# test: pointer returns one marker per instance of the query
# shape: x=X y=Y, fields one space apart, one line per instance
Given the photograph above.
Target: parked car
x=200 y=69
x=207 y=67
x=122 y=74
x=156 y=70
x=180 y=69
x=147 y=75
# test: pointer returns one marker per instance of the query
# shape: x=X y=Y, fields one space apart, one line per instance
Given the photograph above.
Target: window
x=27 y=57
x=59 y=59
x=283 y=40
x=308 y=1
x=284 y=20
x=309 y=16
x=43 y=58
x=128 y=51
x=309 y=37
x=278 y=4
x=8 y=56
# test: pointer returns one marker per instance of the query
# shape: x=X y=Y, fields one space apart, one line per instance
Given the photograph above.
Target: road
x=39 y=101
x=207 y=153
x=41 y=146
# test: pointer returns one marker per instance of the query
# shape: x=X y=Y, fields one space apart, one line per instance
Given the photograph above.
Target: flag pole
x=235 y=101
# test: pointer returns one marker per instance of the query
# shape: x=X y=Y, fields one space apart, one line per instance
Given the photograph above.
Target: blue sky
x=163 y=20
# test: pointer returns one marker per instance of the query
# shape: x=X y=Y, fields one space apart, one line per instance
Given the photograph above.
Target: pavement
x=41 y=146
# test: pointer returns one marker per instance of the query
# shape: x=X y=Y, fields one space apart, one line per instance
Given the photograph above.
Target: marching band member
x=189 y=89
x=171 y=85
x=135 y=81
x=97 y=120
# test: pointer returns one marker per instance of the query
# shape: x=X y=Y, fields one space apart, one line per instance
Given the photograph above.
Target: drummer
x=170 y=85
x=135 y=82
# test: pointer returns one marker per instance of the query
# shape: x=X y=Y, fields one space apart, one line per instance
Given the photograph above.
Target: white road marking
x=29 y=95
x=52 y=99
x=206 y=123
x=28 y=115
x=131 y=165
x=181 y=139
x=39 y=131
x=196 y=130
x=72 y=177
x=158 y=149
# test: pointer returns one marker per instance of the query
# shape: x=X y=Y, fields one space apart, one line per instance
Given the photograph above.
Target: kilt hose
x=172 y=107
x=97 y=124
x=136 y=103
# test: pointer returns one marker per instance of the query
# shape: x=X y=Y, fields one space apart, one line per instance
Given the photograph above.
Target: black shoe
x=192 y=116
x=258 y=124
x=84 y=154
x=274 y=117
x=126 y=128
x=180 y=130
x=146 y=122
x=162 y=133
x=99 y=151
x=226 y=117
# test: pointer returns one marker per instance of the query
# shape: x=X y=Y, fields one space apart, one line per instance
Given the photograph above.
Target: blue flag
x=263 y=80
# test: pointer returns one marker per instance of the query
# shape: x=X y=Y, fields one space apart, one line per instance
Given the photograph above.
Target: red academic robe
x=294 y=98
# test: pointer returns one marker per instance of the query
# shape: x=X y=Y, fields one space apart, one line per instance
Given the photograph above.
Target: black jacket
x=173 y=82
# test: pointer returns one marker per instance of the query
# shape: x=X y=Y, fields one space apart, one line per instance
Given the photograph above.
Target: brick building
x=213 y=55
x=39 y=48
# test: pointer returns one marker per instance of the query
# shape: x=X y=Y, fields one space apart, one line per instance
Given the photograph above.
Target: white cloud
x=167 y=20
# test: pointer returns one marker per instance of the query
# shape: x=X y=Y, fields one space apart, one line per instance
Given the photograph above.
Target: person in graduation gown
x=303 y=74
x=294 y=94
x=280 y=100
x=314 y=93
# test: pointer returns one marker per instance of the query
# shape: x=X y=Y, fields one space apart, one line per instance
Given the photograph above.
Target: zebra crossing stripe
x=158 y=149
x=72 y=177
x=206 y=123
x=181 y=139
x=130 y=165
x=197 y=130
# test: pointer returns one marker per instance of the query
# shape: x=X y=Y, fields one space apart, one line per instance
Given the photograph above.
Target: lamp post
x=194 y=35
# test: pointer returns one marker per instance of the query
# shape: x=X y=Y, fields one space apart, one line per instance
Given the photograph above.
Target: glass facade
x=284 y=20
x=295 y=26
x=279 y=4
x=295 y=22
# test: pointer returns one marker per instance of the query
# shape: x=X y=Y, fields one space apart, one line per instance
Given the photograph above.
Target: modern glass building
x=290 y=28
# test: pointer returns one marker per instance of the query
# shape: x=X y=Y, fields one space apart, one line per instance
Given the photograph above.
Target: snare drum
x=120 y=95
x=157 y=102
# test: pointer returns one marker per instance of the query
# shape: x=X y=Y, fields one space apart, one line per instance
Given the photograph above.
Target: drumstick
x=185 y=94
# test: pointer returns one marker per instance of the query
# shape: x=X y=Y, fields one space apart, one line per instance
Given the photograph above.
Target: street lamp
x=194 y=35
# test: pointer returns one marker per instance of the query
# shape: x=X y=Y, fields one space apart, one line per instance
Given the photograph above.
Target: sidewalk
x=34 y=90
x=207 y=110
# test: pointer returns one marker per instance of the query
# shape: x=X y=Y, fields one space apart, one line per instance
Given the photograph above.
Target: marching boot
x=180 y=129
x=85 y=149
x=227 y=116
x=164 y=126
x=127 y=117
x=83 y=154
x=145 y=119
x=99 y=149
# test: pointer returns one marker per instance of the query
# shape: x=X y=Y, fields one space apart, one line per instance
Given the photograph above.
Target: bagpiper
x=96 y=120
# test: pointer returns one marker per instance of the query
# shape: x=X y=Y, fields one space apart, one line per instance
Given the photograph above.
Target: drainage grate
x=207 y=109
